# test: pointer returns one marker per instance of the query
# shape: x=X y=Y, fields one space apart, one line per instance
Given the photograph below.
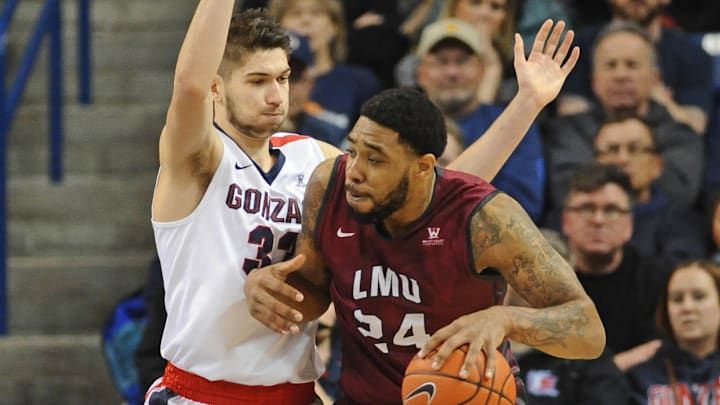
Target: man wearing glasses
x=597 y=221
x=661 y=228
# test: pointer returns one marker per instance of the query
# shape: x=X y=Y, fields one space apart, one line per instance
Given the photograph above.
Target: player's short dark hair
x=251 y=30
x=594 y=176
x=419 y=123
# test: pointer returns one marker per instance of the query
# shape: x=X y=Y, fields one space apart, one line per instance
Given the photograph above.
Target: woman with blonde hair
x=495 y=20
x=340 y=89
x=686 y=369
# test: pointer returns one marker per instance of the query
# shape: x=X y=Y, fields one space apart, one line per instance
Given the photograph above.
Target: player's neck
x=419 y=197
x=256 y=146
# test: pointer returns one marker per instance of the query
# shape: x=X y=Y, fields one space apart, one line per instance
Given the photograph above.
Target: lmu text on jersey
x=385 y=284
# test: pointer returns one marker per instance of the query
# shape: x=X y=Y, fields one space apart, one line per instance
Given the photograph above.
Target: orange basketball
x=444 y=386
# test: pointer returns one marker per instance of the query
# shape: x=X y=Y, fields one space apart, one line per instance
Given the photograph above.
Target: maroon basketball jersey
x=392 y=293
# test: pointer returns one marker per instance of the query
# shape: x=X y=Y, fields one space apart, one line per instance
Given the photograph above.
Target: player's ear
x=216 y=88
x=425 y=164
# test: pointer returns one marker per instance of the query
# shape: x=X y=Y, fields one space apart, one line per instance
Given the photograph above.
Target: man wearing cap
x=450 y=70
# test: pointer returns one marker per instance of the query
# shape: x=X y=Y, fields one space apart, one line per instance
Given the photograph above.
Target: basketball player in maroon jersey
x=414 y=256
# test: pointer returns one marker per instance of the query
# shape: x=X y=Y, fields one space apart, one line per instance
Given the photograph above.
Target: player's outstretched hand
x=482 y=330
x=270 y=298
x=541 y=75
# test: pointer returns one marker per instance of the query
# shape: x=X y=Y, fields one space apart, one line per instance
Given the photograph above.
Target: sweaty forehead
x=369 y=133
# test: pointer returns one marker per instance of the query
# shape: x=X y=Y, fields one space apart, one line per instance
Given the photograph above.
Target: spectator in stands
x=623 y=77
x=554 y=381
x=373 y=22
x=452 y=59
x=662 y=229
x=686 y=369
x=340 y=89
x=597 y=222
x=455 y=145
x=495 y=19
x=685 y=85
x=303 y=115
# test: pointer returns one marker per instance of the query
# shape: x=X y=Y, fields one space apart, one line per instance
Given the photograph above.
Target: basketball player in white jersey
x=227 y=200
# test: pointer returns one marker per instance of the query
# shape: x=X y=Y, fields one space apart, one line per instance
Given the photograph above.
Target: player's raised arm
x=540 y=77
x=284 y=294
x=188 y=152
x=189 y=118
x=563 y=320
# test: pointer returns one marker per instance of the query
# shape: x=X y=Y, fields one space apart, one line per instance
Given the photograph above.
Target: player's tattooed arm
x=562 y=320
x=313 y=279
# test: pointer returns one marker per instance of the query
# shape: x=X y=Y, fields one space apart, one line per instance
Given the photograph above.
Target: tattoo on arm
x=485 y=232
x=314 y=268
x=534 y=270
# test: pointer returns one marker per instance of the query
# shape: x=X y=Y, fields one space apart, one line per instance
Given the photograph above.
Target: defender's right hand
x=271 y=300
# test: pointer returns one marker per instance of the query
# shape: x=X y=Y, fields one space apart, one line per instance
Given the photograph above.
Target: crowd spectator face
x=692 y=307
x=494 y=18
x=450 y=75
x=488 y=16
x=598 y=223
x=640 y=11
x=629 y=145
x=322 y=21
x=623 y=73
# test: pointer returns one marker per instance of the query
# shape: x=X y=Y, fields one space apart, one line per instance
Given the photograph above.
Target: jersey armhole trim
x=329 y=190
x=203 y=200
x=468 y=230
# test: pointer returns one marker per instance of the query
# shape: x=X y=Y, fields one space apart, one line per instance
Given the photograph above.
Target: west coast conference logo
x=433 y=238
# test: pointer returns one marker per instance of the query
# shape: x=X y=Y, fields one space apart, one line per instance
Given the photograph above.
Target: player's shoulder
x=461 y=178
x=280 y=139
x=297 y=143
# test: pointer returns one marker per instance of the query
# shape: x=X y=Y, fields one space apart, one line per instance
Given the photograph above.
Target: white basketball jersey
x=246 y=218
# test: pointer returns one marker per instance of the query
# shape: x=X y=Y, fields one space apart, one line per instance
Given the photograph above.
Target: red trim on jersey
x=198 y=389
x=280 y=140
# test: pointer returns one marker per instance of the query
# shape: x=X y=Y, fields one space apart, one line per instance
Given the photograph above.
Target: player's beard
x=249 y=128
x=393 y=202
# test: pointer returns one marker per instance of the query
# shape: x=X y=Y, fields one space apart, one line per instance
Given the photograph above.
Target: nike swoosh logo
x=238 y=167
x=427 y=388
x=342 y=234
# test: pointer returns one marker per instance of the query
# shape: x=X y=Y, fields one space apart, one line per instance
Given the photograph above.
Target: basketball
x=423 y=385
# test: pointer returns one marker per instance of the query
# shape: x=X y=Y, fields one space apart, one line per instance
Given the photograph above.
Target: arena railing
x=48 y=25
